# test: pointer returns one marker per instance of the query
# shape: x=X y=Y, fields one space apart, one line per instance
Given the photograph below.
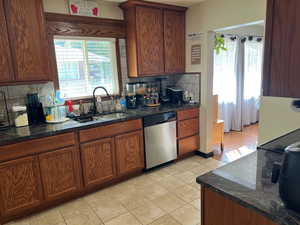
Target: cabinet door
x=130 y=152
x=6 y=72
x=20 y=185
x=98 y=160
x=26 y=29
x=282 y=49
x=150 y=40
x=174 y=41
x=60 y=172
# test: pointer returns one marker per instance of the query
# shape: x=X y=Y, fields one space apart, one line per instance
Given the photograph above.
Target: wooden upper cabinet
x=174 y=41
x=130 y=152
x=6 y=71
x=98 y=161
x=155 y=38
x=60 y=172
x=26 y=29
x=20 y=185
x=282 y=49
x=149 y=40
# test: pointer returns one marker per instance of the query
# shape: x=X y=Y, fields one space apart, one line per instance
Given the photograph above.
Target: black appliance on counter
x=175 y=96
x=4 y=115
x=35 y=110
x=287 y=174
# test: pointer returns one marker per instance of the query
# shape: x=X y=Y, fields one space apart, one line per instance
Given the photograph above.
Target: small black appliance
x=287 y=174
x=35 y=110
x=175 y=95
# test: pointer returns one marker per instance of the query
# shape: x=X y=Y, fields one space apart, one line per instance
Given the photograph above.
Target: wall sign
x=84 y=8
x=196 y=54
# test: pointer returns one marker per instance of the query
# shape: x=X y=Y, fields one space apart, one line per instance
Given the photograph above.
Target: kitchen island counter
x=247 y=182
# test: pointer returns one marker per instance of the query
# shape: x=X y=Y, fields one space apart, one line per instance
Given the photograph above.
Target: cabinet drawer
x=189 y=144
x=187 y=128
x=110 y=130
x=26 y=148
x=188 y=114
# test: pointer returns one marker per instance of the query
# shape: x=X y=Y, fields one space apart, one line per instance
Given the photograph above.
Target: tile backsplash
x=17 y=94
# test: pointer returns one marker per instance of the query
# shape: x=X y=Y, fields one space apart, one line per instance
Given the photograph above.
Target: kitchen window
x=85 y=63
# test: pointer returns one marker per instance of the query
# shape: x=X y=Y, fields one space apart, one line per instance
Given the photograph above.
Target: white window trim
x=114 y=54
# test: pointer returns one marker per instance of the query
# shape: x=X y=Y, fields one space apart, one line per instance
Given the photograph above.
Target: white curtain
x=252 y=81
x=237 y=81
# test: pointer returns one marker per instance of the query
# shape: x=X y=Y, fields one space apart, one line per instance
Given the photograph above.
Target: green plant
x=219 y=44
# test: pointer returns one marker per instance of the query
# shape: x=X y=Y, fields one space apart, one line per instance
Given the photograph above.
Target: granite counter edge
x=81 y=126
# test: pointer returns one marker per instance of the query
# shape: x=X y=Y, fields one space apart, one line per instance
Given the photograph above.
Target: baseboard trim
x=205 y=155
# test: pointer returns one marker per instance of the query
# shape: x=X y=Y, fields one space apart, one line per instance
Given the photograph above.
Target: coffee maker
x=131 y=101
x=35 y=109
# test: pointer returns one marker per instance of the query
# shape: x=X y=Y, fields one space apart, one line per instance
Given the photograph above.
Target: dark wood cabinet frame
x=81 y=26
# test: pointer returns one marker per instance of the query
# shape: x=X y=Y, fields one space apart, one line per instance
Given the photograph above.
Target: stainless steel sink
x=111 y=116
x=105 y=117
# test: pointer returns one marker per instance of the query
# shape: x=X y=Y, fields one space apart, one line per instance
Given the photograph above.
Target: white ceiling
x=186 y=3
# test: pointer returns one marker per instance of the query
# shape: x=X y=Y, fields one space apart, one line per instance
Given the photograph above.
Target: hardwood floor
x=237 y=144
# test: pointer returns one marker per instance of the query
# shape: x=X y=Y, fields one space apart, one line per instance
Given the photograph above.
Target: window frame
x=117 y=63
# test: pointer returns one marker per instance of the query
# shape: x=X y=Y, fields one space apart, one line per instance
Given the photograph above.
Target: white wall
x=277 y=118
x=208 y=16
x=107 y=9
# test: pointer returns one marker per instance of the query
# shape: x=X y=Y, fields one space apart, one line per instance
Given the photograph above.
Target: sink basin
x=111 y=116
x=106 y=117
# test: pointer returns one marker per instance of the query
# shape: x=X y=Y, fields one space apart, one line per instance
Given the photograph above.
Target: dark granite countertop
x=14 y=135
x=280 y=143
x=248 y=182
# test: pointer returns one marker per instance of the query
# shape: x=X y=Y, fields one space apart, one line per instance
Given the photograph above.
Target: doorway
x=237 y=85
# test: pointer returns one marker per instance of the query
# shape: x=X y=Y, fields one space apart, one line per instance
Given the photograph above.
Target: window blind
x=85 y=63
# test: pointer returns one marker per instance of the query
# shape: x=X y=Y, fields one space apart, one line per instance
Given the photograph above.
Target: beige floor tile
x=187 y=215
x=133 y=202
x=168 y=202
x=49 y=217
x=187 y=165
x=171 y=183
x=108 y=209
x=187 y=193
x=25 y=221
x=125 y=219
x=196 y=203
x=158 y=175
x=186 y=177
x=148 y=213
x=79 y=212
x=171 y=169
x=194 y=184
x=152 y=191
x=165 y=220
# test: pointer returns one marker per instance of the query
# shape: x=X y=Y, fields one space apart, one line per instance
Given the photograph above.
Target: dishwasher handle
x=159 y=118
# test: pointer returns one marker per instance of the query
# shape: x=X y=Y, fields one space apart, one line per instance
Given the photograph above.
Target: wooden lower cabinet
x=130 y=152
x=189 y=144
x=20 y=185
x=219 y=210
x=60 y=172
x=98 y=159
x=187 y=128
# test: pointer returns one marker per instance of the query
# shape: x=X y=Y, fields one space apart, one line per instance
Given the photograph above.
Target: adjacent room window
x=85 y=63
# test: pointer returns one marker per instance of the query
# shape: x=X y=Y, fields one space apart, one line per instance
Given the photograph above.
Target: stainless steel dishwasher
x=160 y=139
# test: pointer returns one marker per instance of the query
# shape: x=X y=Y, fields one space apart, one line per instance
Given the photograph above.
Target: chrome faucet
x=94 y=97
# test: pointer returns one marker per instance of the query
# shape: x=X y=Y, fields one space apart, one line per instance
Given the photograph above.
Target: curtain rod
x=241 y=36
